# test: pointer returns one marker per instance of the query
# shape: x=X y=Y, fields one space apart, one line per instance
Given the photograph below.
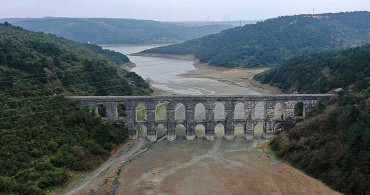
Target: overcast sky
x=176 y=10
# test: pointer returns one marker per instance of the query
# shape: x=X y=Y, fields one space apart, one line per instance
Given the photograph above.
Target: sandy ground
x=219 y=167
x=237 y=77
x=201 y=167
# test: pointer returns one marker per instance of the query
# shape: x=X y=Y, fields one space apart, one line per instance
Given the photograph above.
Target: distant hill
x=272 y=41
x=333 y=145
x=116 y=31
x=322 y=72
x=44 y=139
x=203 y=23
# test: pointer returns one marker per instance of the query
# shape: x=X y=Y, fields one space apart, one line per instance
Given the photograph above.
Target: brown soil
x=219 y=167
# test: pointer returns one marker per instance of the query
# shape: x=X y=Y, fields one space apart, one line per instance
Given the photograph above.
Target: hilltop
x=272 y=41
x=116 y=31
x=44 y=139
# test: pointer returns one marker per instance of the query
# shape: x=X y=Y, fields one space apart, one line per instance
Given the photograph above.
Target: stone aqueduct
x=249 y=102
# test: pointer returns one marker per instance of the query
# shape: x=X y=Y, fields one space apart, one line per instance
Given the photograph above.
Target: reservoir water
x=166 y=74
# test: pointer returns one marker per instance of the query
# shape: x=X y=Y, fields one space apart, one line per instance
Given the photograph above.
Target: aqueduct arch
x=134 y=107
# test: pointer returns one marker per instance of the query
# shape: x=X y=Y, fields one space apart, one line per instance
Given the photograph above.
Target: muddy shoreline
x=241 y=77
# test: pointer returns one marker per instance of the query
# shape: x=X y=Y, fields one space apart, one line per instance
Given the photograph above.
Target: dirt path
x=101 y=178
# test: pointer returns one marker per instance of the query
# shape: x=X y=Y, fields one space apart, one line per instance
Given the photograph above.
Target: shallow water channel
x=167 y=74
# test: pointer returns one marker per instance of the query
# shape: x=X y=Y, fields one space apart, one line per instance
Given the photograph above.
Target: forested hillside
x=270 y=42
x=116 y=31
x=44 y=138
x=322 y=72
x=114 y=56
x=334 y=144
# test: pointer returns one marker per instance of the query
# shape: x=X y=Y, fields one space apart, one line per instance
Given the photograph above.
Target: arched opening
x=160 y=112
x=259 y=111
x=141 y=112
x=180 y=112
x=279 y=111
x=200 y=131
x=219 y=130
x=161 y=131
x=258 y=131
x=239 y=131
x=219 y=112
x=239 y=112
x=121 y=110
x=141 y=130
x=180 y=131
x=200 y=112
x=298 y=109
x=102 y=110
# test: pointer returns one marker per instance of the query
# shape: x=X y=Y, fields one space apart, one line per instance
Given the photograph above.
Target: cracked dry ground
x=218 y=167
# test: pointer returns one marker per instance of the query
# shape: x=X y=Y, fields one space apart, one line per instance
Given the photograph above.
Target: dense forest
x=114 y=56
x=44 y=138
x=116 y=31
x=272 y=41
x=322 y=72
x=334 y=144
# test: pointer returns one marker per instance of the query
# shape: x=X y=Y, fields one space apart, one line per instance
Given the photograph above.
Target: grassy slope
x=42 y=136
x=116 y=31
x=272 y=41
x=334 y=144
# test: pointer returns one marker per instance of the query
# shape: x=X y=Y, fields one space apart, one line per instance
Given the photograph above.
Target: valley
x=198 y=166
x=138 y=106
x=174 y=74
